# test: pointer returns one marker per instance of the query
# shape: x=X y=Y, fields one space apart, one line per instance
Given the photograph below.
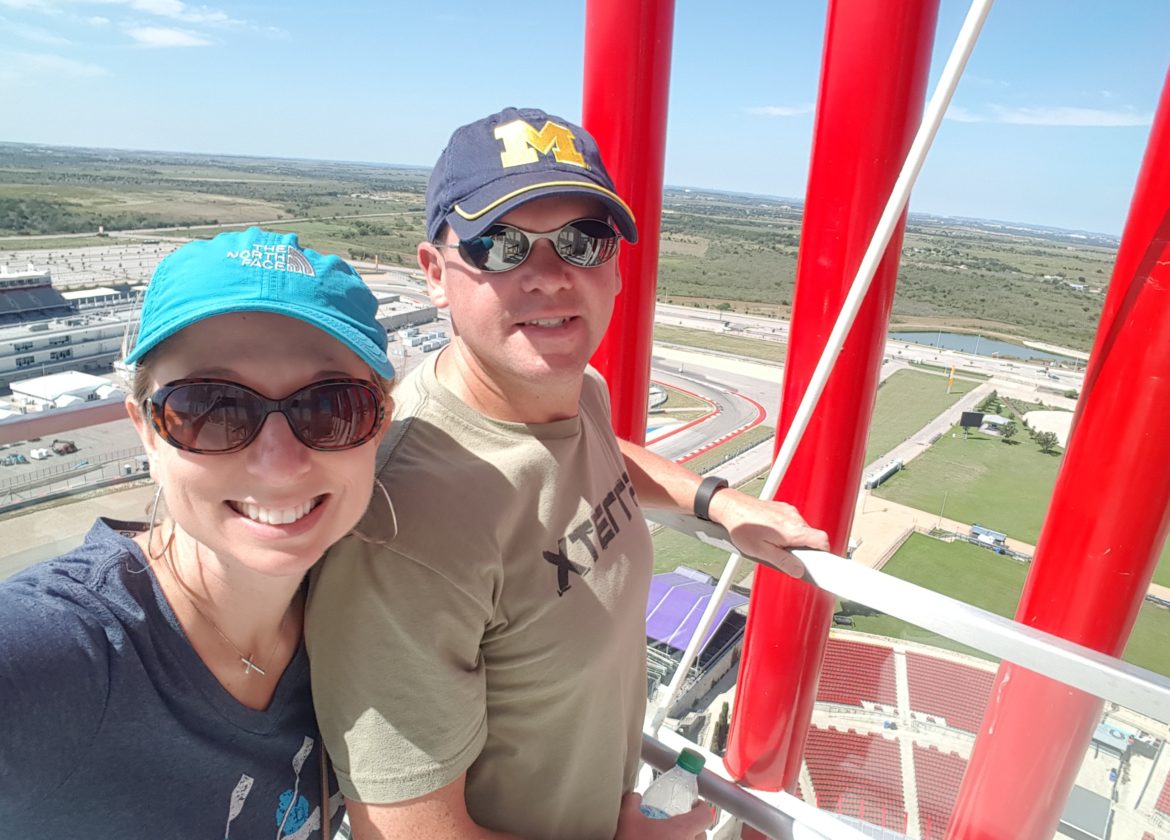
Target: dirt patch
x=695 y=246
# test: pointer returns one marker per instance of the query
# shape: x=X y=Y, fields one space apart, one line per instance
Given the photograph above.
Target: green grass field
x=992 y=582
x=712 y=458
x=752 y=348
x=981 y=479
x=680 y=405
x=906 y=402
x=52 y=243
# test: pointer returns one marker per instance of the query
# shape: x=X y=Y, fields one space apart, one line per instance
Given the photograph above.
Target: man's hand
x=634 y=825
x=760 y=530
x=763 y=530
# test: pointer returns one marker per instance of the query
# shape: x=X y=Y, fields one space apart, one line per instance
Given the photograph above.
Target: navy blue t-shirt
x=111 y=726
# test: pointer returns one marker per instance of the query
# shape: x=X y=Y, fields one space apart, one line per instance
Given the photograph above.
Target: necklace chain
x=246 y=659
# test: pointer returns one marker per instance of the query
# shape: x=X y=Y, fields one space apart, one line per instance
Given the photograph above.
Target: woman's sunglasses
x=214 y=416
x=584 y=243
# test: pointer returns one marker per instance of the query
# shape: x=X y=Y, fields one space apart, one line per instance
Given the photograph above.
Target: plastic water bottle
x=675 y=791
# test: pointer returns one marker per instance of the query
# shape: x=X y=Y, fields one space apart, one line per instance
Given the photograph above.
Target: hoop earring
x=393 y=518
x=150 y=534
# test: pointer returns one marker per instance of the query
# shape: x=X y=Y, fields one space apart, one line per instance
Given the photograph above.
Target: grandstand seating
x=31 y=300
x=950 y=690
x=937 y=776
x=1163 y=803
x=17 y=305
x=854 y=672
x=857 y=775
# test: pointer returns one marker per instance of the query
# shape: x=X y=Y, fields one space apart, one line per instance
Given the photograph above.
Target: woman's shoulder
x=59 y=629
x=76 y=593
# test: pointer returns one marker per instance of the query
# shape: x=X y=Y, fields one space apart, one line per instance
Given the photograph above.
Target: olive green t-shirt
x=501 y=630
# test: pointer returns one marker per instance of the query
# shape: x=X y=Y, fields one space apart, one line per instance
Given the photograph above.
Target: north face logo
x=276 y=258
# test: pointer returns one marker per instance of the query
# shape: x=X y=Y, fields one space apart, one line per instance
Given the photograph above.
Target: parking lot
x=131 y=263
x=102 y=453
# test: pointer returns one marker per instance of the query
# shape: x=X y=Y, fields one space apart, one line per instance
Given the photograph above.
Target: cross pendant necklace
x=247 y=661
x=250 y=666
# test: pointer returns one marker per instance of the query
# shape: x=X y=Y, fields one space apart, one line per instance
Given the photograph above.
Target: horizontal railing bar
x=55 y=421
x=723 y=793
x=776 y=813
x=1072 y=664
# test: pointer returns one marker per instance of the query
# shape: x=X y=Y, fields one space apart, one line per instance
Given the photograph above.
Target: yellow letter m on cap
x=522 y=143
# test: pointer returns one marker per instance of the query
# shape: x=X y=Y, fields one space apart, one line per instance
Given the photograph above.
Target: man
x=479 y=659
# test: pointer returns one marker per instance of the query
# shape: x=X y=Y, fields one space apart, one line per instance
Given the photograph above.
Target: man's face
x=536 y=324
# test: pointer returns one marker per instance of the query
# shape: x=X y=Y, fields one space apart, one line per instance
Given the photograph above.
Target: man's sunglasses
x=584 y=243
x=215 y=416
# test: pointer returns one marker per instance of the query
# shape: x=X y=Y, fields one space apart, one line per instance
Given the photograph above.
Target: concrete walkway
x=27 y=538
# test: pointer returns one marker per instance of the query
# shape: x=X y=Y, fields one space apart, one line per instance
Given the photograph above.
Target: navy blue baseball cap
x=494 y=165
x=258 y=271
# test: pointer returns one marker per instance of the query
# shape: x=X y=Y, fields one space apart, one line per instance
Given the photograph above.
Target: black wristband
x=709 y=486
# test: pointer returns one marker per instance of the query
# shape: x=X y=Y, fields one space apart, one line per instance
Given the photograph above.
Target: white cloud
x=44 y=6
x=169 y=9
x=158 y=36
x=16 y=65
x=35 y=34
x=780 y=110
x=98 y=20
x=177 y=10
x=957 y=113
x=1052 y=115
x=975 y=78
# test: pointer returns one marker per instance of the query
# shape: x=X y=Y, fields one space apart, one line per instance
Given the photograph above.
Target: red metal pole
x=873 y=85
x=627 y=85
x=1106 y=525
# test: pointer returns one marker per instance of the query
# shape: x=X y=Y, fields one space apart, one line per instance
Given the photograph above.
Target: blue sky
x=1048 y=125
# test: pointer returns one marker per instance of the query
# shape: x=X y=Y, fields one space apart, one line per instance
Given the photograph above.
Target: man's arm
x=762 y=530
x=441 y=815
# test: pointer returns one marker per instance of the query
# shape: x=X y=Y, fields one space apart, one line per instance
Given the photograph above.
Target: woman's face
x=227 y=502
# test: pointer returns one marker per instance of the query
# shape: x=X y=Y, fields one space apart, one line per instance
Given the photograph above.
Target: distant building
x=986 y=536
x=29 y=294
x=87 y=342
x=83 y=330
x=101 y=297
x=394 y=313
x=60 y=390
x=995 y=422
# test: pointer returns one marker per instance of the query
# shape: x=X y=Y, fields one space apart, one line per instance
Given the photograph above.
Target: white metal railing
x=45 y=423
x=781 y=815
x=778 y=815
x=1074 y=665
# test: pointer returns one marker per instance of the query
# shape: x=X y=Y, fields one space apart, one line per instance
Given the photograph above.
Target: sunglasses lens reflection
x=584 y=243
x=217 y=417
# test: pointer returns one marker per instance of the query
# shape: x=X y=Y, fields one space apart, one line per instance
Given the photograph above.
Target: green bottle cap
x=690 y=761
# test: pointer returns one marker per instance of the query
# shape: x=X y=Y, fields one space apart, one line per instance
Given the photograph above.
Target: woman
x=153 y=681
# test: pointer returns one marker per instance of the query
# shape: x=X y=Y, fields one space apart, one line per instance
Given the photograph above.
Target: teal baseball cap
x=260 y=271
